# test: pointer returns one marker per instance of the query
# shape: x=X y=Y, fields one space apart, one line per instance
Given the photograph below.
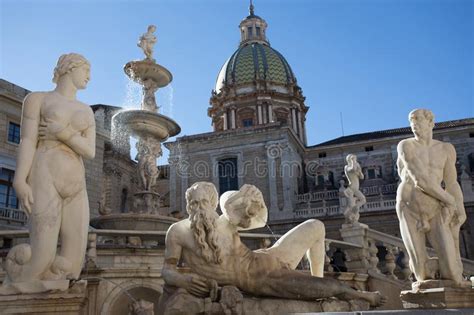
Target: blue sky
x=372 y=60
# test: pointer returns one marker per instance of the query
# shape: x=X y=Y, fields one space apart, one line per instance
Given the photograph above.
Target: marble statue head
x=351 y=158
x=68 y=63
x=245 y=208
x=421 y=121
x=201 y=204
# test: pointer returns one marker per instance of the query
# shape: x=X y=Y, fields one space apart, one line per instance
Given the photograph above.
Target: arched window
x=228 y=179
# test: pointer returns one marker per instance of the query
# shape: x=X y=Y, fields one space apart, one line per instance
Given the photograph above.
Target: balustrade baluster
x=373 y=250
x=390 y=264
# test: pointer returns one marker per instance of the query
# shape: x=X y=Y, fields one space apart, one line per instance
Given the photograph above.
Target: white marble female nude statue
x=57 y=132
x=210 y=245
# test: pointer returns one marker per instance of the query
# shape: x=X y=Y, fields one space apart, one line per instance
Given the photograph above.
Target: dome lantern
x=253 y=28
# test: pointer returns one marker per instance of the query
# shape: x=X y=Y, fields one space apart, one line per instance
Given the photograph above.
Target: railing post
x=327 y=260
x=406 y=272
x=374 y=260
x=390 y=261
x=91 y=254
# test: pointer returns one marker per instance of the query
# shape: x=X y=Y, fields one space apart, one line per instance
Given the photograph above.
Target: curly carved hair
x=201 y=204
x=66 y=63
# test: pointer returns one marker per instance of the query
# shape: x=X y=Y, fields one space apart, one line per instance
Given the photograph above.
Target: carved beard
x=203 y=226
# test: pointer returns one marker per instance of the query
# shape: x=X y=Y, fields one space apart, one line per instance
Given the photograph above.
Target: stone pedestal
x=231 y=301
x=69 y=302
x=438 y=298
x=358 y=259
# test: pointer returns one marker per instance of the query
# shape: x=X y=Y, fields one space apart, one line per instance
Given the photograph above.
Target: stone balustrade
x=379 y=205
x=12 y=215
x=334 y=194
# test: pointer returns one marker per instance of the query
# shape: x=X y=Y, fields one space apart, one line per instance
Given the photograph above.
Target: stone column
x=286 y=169
x=232 y=118
x=270 y=113
x=300 y=126
x=225 y=121
x=293 y=117
x=184 y=173
x=259 y=114
x=173 y=161
x=270 y=146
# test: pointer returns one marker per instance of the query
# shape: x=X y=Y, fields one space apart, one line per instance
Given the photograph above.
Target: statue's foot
x=374 y=298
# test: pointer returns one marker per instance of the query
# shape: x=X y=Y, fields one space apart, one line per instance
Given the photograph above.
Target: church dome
x=255 y=61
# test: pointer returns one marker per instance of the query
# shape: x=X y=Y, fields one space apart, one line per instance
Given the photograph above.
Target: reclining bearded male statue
x=210 y=245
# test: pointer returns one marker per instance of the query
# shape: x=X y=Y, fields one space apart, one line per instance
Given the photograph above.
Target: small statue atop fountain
x=355 y=198
x=147 y=41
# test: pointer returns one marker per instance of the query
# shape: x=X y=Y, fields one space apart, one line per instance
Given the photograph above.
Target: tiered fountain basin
x=133 y=221
x=141 y=124
x=142 y=70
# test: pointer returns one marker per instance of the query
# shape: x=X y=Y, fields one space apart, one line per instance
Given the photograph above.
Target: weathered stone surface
x=439 y=298
x=70 y=302
x=231 y=301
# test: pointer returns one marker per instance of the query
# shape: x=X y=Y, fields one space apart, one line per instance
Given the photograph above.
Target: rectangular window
x=250 y=32
x=322 y=155
x=8 y=197
x=369 y=148
x=228 y=179
x=258 y=30
x=247 y=122
x=14 y=132
x=371 y=173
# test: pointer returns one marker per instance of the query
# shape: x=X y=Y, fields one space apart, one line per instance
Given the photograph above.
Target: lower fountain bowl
x=133 y=221
x=142 y=124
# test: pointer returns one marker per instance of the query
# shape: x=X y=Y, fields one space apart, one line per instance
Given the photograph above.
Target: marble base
x=179 y=301
x=36 y=286
x=438 y=298
x=69 y=302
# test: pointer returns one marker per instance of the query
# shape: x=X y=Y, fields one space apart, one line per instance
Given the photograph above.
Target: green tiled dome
x=255 y=61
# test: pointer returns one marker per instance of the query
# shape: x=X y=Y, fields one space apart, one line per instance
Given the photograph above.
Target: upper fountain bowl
x=142 y=124
x=142 y=70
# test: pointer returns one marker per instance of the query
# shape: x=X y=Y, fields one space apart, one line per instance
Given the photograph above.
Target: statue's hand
x=450 y=201
x=52 y=130
x=197 y=286
x=24 y=194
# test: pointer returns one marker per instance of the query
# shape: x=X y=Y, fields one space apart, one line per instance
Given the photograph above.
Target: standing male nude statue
x=210 y=245
x=424 y=208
